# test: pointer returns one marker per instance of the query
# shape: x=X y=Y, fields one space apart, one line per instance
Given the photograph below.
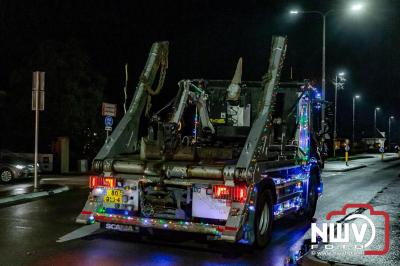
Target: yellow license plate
x=113 y=196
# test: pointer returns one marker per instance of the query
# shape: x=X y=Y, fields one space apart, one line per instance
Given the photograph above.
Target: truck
x=224 y=158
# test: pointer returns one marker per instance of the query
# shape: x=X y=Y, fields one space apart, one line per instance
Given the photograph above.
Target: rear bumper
x=219 y=232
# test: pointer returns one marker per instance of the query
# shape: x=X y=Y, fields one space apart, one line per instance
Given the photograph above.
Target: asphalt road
x=30 y=230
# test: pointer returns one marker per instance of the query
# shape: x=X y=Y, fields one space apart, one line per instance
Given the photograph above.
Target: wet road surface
x=30 y=230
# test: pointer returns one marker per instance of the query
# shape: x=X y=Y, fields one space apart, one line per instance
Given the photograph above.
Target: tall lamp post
x=339 y=82
x=354 y=8
x=390 y=120
x=375 y=110
x=354 y=115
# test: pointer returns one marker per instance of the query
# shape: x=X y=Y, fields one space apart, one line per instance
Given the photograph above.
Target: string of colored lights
x=163 y=223
x=196 y=123
x=304 y=134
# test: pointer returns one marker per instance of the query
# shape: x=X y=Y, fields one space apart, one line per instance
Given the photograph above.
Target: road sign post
x=382 y=151
x=346 y=154
x=37 y=105
x=108 y=122
x=108 y=110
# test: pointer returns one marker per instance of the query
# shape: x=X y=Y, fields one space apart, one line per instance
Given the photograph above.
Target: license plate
x=123 y=228
x=113 y=196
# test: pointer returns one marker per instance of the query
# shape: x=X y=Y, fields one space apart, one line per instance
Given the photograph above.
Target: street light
x=354 y=111
x=353 y=8
x=376 y=109
x=390 y=120
x=356 y=7
x=339 y=82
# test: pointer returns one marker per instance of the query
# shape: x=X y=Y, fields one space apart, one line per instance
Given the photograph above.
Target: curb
x=345 y=169
x=33 y=195
x=391 y=159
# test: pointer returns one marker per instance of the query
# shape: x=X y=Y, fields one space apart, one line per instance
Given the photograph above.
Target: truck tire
x=263 y=219
x=307 y=213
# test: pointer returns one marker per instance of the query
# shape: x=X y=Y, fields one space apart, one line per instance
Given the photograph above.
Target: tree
x=74 y=93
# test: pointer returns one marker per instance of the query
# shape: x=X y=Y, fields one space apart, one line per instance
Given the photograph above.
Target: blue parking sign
x=108 y=121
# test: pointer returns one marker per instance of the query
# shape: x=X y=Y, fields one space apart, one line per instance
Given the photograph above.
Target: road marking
x=23 y=227
x=80 y=232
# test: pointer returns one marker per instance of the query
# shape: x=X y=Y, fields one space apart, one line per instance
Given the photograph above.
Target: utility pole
x=355 y=8
x=390 y=120
x=339 y=77
x=37 y=105
x=354 y=116
x=376 y=109
x=323 y=69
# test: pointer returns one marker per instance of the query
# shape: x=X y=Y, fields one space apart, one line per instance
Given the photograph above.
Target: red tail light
x=237 y=193
x=101 y=181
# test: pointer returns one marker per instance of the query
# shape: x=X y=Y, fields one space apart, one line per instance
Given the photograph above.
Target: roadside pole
x=346 y=154
x=382 y=150
x=108 y=111
x=37 y=105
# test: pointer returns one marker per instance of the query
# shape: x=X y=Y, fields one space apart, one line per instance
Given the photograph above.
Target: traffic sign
x=382 y=149
x=346 y=147
x=108 y=121
x=109 y=109
x=38 y=90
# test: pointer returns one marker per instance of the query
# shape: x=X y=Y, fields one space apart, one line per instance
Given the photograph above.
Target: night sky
x=207 y=38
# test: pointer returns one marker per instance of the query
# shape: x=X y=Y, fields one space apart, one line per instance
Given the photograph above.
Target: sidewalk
x=357 y=162
x=338 y=166
x=49 y=184
x=72 y=180
x=22 y=192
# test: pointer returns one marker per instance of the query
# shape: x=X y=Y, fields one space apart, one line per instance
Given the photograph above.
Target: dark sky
x=207 y=38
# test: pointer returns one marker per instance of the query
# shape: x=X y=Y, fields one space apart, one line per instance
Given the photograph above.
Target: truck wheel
x=263 y=219
x=6 y=175
x=308 y=212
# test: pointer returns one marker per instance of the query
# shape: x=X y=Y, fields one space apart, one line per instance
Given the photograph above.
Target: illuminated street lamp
x=354 y=111
x=390 y=120
x=375 y=110
x=339 y=83
x=355 y=8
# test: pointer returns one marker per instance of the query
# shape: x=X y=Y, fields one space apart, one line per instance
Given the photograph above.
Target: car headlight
x=20 y=167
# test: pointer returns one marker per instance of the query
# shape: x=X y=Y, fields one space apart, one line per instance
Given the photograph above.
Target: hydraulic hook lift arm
x=254 y=148
x=124 y=138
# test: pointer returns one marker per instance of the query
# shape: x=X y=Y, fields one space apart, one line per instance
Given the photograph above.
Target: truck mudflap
x=86 y=215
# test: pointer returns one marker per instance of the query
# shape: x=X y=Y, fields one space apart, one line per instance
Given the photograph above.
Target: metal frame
x=124 y=138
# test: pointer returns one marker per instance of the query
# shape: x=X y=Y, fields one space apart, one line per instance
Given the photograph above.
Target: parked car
x=12 y=167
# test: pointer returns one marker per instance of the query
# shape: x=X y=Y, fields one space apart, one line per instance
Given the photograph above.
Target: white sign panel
x=205 y=206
